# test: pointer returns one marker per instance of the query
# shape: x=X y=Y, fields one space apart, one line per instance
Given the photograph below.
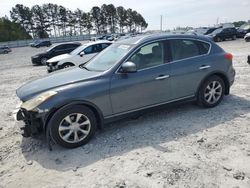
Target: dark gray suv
x=129 y=76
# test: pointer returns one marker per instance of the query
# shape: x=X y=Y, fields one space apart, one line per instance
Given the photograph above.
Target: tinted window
x=203 y=47
x=105 y=46
x=149 y=56
x=184 y=48
x=60 y=47
x=88 y=50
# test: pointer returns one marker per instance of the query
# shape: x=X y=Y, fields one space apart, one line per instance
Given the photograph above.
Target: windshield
x=50 y=49
x=217 y=31
x=78 y=50
x=245 y=27
x=108 y=57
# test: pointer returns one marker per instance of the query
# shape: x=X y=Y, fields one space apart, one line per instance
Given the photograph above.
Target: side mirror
x=128 y=67
x=82 y=54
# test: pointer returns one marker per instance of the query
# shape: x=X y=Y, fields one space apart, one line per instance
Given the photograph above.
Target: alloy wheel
x=213 y=92
x=74 y=128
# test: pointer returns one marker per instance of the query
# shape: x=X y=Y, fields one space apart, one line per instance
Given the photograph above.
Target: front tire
x=44 y=60
x=211 y=92
x=72 y=126
x=67 y=65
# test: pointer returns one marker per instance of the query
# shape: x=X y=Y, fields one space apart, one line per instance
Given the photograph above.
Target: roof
x=148 y=38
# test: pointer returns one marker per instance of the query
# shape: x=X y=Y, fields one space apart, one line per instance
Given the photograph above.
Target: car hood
x=40 y=54
x=55 y=80
x=59 y=58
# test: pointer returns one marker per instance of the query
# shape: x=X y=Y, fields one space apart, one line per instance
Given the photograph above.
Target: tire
x=218 y=39
x=65 y=118
x=205 y=95
x=234 y=37
x=67 y=65
x=43 y=60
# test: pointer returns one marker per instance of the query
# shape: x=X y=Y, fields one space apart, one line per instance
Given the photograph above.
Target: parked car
x=243 y=30
x=222 y=34
x=248 y=59
x=5 y=50
x=210 y=30
x=127 y=78
x=41 y=58
x=80 y=55
x=247 y=37
x=38 y=44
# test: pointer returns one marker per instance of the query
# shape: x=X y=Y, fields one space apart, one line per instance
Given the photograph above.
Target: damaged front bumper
x=29 y=122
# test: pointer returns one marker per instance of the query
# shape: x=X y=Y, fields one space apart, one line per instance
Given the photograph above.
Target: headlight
x=36 y=56
x=33 y=103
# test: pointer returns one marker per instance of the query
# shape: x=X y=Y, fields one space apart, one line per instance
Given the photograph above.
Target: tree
x=96 y=15
x=52 y=13
x=121 y=17
x=87 y=22
x=10 y=31
x=23 y=15
x=60 y=21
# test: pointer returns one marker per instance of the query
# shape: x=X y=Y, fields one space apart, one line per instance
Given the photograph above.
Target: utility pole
x=161 y=22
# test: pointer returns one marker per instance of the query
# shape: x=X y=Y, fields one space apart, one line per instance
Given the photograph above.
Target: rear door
x=189 y=65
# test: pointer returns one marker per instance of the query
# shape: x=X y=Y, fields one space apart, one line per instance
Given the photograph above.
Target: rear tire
x=211 y=92
x=72 y=126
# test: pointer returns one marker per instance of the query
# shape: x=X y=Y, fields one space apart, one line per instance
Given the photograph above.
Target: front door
x=148 y=86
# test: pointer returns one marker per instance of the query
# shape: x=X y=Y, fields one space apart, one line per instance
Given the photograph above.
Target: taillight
x=229 y=56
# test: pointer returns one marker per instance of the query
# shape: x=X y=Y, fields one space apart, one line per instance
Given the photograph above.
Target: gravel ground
x=181 y=146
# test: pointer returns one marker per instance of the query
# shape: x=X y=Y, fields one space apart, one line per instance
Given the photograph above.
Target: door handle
x=162 y=77
x=204 y=67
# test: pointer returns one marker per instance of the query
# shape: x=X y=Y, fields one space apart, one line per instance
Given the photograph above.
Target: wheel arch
x=91 y=106
x=222 y=76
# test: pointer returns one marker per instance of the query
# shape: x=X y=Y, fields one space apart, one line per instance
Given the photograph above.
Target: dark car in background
x=127 y=78
x=38 y=44
x=210 y=30
x=41 y=58
x=5 y=50
x=243 y=30
x=222 y=34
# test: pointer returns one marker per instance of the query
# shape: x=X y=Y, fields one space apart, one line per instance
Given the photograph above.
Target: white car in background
x=247 y=37
x=80 y=55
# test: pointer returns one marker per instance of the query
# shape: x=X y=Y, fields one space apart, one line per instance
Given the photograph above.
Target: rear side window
x=185 y=48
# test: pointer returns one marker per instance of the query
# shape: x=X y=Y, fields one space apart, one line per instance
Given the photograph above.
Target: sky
x=194 y=13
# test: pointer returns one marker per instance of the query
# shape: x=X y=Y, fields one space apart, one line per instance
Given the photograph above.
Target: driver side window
x=148 y=56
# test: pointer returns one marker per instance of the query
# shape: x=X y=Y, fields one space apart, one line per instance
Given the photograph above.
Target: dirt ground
x=181 y=146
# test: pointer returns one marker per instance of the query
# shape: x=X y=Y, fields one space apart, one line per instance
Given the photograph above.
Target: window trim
x=142 y=45
x=164 y=42
x=210 y=47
